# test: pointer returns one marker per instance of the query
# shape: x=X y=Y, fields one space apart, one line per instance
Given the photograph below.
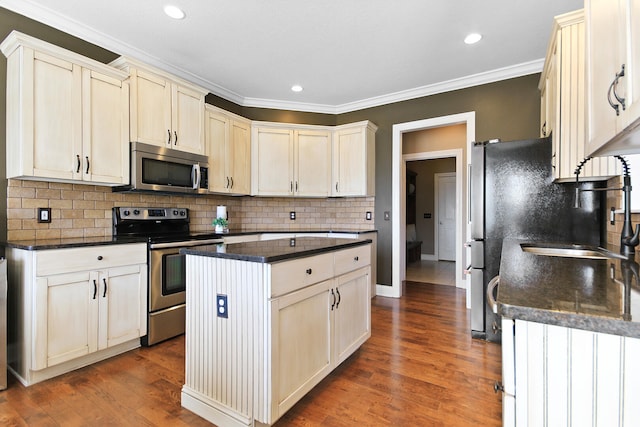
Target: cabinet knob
x=309 y=271
x=497 y=387
x=356 y=259
x=99 y=257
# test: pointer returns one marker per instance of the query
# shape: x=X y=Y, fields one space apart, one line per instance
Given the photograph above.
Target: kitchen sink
x=570 y=251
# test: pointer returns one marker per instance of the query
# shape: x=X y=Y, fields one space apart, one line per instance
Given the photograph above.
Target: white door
x=446 y=224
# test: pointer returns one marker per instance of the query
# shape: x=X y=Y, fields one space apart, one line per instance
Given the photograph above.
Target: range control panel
x=151 y=213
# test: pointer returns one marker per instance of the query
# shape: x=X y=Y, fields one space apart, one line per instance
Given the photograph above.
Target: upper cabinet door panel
x=217 y=135
x=313 y=163
x=187 y=120
x=239 y=157
x=150 y=109
x=56 y=122
x=273 y=151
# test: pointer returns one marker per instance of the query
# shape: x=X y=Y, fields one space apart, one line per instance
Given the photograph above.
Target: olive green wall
x=508 y=109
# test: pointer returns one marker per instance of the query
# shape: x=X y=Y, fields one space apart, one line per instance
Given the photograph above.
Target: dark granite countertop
x=41 y=244
x=601 y=295
x=270 y=251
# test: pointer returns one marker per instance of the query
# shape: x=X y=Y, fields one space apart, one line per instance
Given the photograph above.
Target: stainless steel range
x=167 y=231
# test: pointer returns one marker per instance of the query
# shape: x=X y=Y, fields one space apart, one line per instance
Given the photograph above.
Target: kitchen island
x=570 y=338
x=268 y=320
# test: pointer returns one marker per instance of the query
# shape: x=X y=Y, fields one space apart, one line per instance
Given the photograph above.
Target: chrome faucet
x=628 y=239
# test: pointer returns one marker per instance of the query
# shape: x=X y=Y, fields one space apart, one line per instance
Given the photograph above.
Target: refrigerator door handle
x=491 y=301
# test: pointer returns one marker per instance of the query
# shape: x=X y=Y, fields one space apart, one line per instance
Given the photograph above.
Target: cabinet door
x=632 y=60
x=312 y=163
x=150 y=109
x=105 y=129
x=66 y=312
x=604 y=36
x=273 y=162
x=301 y=344
x=187 y=119
x=217 y=137
x=57 y=120
x=352 y=313
x=349 y=163
x=123 y=305
x=239 y=157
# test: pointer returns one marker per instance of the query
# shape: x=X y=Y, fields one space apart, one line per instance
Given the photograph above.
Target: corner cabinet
x=613 y=80
x=290 y=160
x=67 y=315
x=67 y=115
x=164 y=110
x=288 y=325
x=228 y=143
x=563 y=112
x=354 y=161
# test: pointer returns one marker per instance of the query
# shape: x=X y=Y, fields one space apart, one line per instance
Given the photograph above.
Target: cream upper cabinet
x=165 y=111
x=228 y=142
x=67 y=115
x=353 y=171
x=562 y=88
x=613 y=78
x=290 y=161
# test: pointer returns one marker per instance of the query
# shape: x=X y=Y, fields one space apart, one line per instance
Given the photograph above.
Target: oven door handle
x=184 y=244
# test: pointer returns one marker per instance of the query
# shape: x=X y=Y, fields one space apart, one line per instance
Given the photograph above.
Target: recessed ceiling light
x=174 y=12
x=472 y=38
x=296 y=88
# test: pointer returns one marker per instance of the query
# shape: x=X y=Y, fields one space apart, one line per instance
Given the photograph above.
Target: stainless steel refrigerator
x=512 y=195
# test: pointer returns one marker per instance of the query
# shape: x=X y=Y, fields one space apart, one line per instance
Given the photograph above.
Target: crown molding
x=54 y=19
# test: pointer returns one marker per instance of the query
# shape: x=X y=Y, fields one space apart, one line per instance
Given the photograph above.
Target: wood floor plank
x=419 y=368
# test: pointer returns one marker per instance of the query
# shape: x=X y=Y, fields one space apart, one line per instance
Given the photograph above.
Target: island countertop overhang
x=271 y=251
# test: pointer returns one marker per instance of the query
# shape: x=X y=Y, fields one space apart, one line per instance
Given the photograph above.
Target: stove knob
x=126 y=212
x=183 y=213
x=136 y=212
x=175 y=212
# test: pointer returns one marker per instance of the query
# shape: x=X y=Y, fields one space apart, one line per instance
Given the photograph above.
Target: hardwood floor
x=419 y=368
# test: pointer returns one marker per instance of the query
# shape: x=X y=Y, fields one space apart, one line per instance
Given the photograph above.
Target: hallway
x=434 y=272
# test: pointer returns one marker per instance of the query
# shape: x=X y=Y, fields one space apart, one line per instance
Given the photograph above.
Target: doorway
x=399 y=190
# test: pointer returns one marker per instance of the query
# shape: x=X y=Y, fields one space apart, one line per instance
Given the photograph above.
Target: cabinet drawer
x=57 y=261
x=351 y=259
x=289 y=276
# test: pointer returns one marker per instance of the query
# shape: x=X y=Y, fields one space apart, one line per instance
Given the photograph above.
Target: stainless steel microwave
x=163 y=169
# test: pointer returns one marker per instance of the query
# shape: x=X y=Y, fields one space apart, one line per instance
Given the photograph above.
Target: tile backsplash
x=85 y=210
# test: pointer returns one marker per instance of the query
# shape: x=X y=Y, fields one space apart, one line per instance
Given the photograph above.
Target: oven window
x=174 y=274
x=162 y=172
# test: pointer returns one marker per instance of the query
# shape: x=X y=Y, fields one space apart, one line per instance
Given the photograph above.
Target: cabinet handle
x=169 y=136
x=544 y=129
x=309 y=271
x=231 y=182
x=339 y=298
x=104 y=294
x=612 y=88
x=336 y=186
x=356 y=259
x=175 y=140
x=227 y=182
x=333 y=295
x=296 y=186
x=87 y=171
x=95 y=289
x=291 y=186
x=79 y=163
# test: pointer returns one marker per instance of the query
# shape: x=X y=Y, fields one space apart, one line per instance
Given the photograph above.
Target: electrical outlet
x=44 y=214
x=292 y=215
x=367 y=216
x=221 y=306
x=427 y=216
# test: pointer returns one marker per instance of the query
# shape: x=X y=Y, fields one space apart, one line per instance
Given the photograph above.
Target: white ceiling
x=347 y=54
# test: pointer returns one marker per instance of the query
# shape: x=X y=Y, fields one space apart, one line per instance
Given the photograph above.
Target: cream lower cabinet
x=67 y=115
x=87 y=308
x=288 y=325
x=568 y=377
